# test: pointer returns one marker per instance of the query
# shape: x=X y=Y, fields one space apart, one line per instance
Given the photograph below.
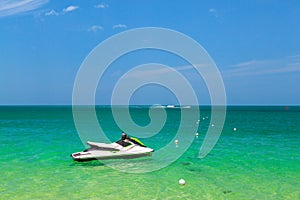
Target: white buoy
x=234 y=129
x=197 y=134
x=176 y=141
x=181 y=182
x=212 y=125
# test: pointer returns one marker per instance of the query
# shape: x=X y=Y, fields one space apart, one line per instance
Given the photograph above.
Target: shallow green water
x=258 y=161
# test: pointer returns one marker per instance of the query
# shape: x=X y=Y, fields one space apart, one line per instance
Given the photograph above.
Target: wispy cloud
x=12 y=7
x=64 y=11
x=102 y=5
x=158 y=71
x=70 y=9
x=119 y=26
x=52 y=12
x=95 y=28
x=213 y=12
x=264 y=67
x=155 y=72
x=295 y=57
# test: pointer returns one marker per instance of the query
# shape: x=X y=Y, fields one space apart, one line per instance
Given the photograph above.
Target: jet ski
x=125 y=148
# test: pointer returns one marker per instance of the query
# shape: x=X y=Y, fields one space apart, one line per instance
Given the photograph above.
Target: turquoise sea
x=260 y=160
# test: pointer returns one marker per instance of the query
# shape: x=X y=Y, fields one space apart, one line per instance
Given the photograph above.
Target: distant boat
x=170 y=106
x=158 y=106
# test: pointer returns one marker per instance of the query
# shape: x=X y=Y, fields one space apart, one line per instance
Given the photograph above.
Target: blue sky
x=255 y=44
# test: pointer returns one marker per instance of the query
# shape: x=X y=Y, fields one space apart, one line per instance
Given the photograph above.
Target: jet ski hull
x=84 y=158
x=102 y=151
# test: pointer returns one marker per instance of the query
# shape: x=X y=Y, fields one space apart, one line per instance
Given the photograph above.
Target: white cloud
x=119 y=26
x=12 y=7
x=102 y=5
x=64 y=11
x=95 y=28
x=70 y=9
x=52 y=12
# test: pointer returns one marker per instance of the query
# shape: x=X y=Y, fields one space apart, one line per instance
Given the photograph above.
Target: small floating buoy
x=227 y=191
x=234 y=129
x=181 y=182
x=176 y=141
x=212 y=125
x=197 y=134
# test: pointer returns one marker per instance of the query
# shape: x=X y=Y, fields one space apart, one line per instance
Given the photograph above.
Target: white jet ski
x=125 y=148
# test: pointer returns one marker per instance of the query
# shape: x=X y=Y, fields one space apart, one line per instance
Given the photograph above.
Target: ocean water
x=260 y=160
